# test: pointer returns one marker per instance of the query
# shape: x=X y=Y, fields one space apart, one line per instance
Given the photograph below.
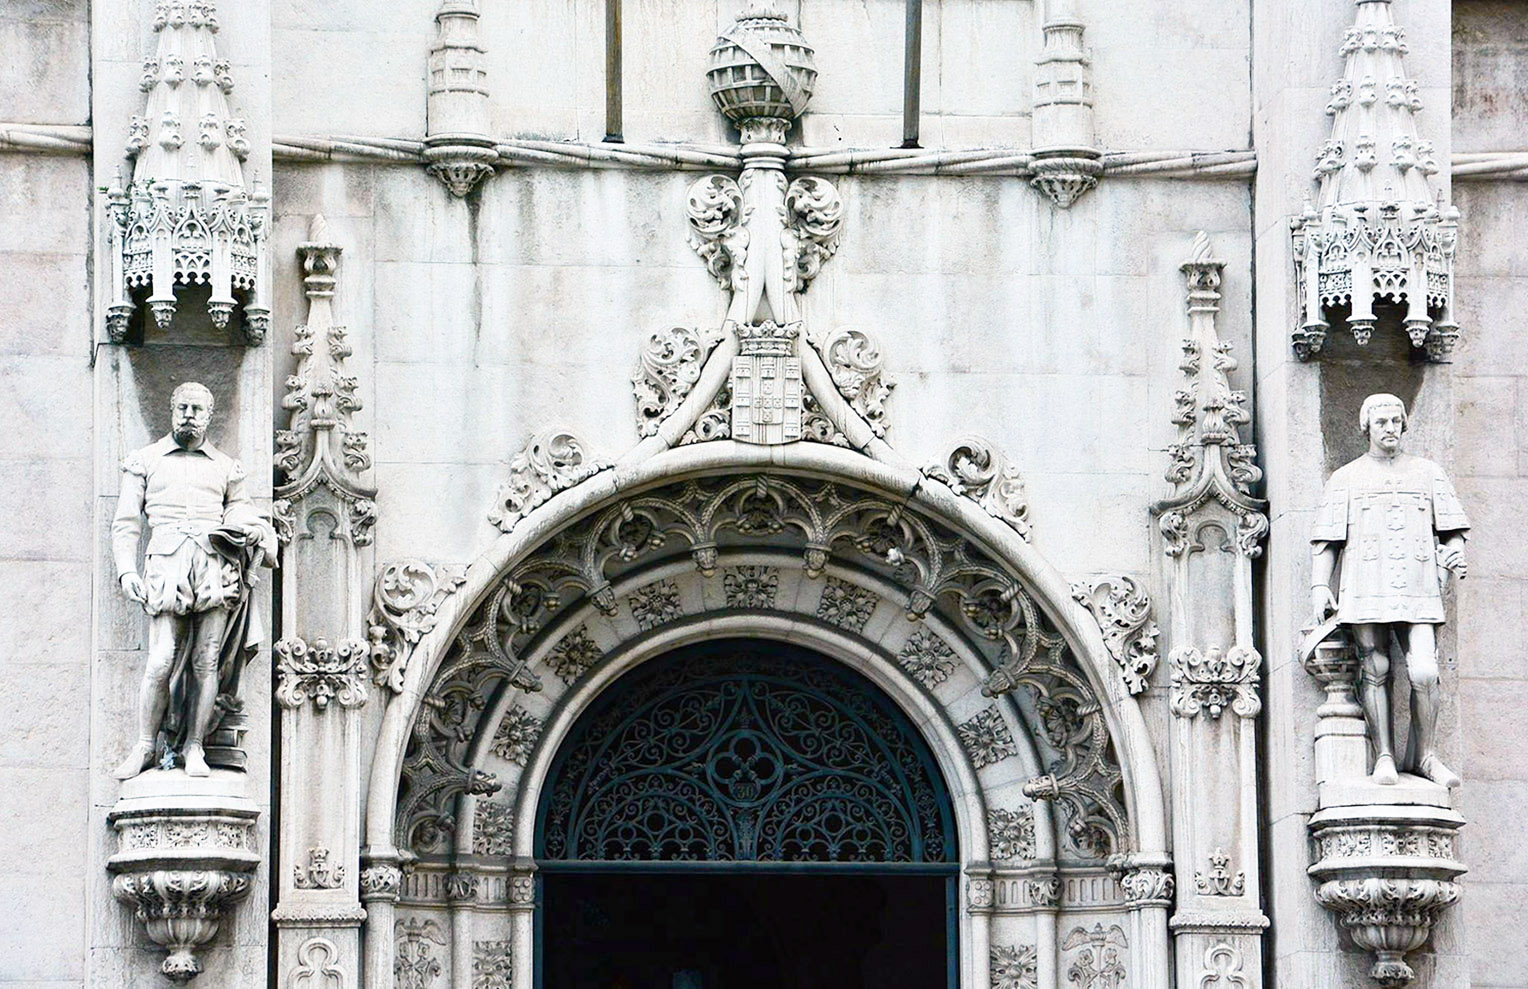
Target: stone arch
x=622 y=568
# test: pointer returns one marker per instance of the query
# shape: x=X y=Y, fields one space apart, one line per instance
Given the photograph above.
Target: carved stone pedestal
x=185 y=855
x=1386 y=868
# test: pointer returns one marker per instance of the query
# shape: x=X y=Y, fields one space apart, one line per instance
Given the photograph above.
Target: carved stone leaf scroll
x=716 y=226
x=1124 y=616
x=551 y=461
x=856 y=365
x=320 y=672
x=404 y=605
x=1011 y=833
x=976 y=469
x=667 y=370
x=1215 y=680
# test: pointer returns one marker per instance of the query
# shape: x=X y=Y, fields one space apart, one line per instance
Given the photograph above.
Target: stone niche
x=185 y=854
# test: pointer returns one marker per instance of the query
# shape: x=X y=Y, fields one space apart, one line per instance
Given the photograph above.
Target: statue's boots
x=1384 y=770
x=196 y=761
x=1434 y=769
x=138 y=759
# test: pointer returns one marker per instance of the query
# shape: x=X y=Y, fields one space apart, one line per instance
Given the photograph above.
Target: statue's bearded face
x=190 y=414
x=1385 y=426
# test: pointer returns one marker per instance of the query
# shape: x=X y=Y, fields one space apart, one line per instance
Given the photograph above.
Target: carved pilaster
x=322 y=664
x=1211 y=527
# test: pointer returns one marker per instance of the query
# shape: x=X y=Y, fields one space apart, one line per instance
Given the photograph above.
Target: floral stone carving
x=977 y=470
x=1014 y=966
x=751 y=586
x=856 y=365
x=1124 y=615
x=184 y=858
x=845 y=605
x=319 y=873
x=1219 y=880
x=1011 y=833
x=493 y=828
x=1096 y=964
x=667 y=370
x=550 y=462
x=493 y=964
x=404 y=604
x=320 y=672
x=1387 y=872
x=517 y=735
x=986 y=737
x=927 y=657
x=1212 y=681
x=415 y=942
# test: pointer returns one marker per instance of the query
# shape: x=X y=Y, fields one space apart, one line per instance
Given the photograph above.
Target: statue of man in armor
x=1397 y=525
x=205 y=540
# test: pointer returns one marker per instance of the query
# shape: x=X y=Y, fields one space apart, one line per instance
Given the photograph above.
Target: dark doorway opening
x=730 y=930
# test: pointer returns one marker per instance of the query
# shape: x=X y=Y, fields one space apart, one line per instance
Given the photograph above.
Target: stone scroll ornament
x=976 y=469
x=550 y=462
x=1123 y=611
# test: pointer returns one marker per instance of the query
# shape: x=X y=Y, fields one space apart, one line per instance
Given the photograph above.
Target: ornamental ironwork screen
x=745 y=751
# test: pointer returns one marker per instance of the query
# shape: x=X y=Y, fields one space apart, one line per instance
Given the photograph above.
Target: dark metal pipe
x=613 y=71
x=912 y=74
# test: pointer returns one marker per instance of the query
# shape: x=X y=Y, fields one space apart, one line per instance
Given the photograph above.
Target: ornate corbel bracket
x=457 y=148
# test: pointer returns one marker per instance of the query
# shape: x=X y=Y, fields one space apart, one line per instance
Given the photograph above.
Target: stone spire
x=457 y=145
x=1379 y=230
x=1066 y=162
x=184 y=218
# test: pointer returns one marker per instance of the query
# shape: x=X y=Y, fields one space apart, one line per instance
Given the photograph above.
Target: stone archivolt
x=517 y=634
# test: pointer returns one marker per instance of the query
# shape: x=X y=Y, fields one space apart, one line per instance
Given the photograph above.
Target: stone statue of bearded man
x=1398 y=527
x=205 y=540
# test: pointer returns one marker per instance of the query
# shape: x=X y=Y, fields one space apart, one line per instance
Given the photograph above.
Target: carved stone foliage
x=977 y=470
x=1218 y=879
x=319 y=872
x=573 y=655
x=321 y=447
x=403 y=609
x=1015 y=966
x=986 y=737
x=751 y=586
x=1044 y=892
x=320 y=672
x=933 y=567
x=415 y=943
x=666 y=372
x=927 y=657
x=381 y=882
x=856 y=366
x=1387 y=874
x=1147 y=885
x=493 y=828
x=185 y=218
x=493 y=964
x=1124 y=615
x=550 y=462
x=1212 y=681
x=715 y=211
x=1011 y=833
x=517 y=735
x=1095 y=962
x=845 y=605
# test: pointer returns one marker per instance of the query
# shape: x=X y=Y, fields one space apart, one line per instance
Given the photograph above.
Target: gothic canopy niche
x=1380 y=230
x=184 y=219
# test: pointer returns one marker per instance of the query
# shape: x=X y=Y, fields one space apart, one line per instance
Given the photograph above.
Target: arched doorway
x=745 y=813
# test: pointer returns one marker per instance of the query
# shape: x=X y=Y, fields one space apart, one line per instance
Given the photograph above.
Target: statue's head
x=1382 y=418
x=190 y=413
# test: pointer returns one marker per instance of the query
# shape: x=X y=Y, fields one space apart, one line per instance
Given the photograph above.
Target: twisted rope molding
x=71 y=139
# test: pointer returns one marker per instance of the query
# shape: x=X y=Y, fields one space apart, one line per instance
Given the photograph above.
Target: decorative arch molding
x=682 y=547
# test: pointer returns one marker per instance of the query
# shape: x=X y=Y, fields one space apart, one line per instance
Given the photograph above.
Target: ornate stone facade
x=571 y=406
